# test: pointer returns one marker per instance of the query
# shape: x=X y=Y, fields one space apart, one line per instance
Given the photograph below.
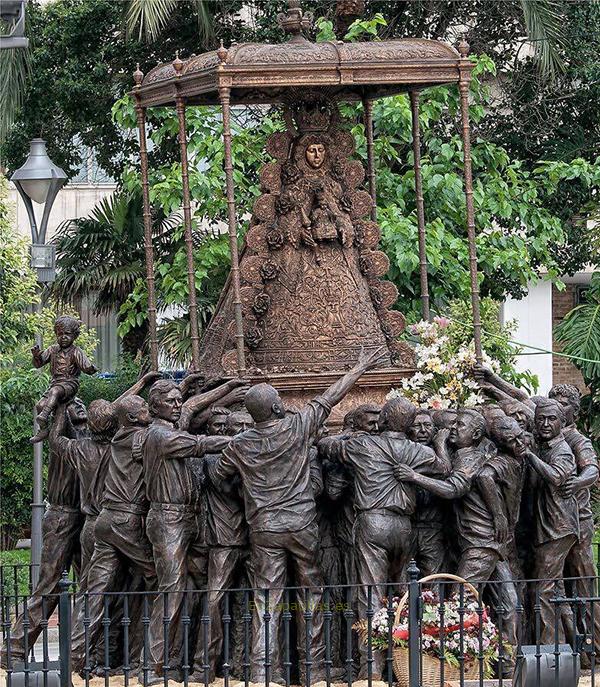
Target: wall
x=563 y=371
x=534 y=327
x=538 y=315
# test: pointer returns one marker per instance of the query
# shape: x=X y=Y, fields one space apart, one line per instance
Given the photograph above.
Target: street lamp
x=12 y=13
x=39 y=180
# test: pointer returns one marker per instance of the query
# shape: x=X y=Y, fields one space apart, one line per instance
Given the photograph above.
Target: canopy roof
x=265 y=73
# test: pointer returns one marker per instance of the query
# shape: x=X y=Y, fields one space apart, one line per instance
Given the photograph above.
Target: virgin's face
x=315 y=155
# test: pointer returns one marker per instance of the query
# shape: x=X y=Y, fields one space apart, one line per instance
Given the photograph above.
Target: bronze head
x=365 y=418
x=263 y=402
x=422 y=429
x=518 y=412
x=550 y=418
x=67 y=330
x=238 y=422
x=101 y=420
x=132 y=411
x=315 y=154
x=165 y=400
x=507 y=433
x=397 y=415
x=468 y=429
x=217 y=422
x=77 y=412
x=567 y=395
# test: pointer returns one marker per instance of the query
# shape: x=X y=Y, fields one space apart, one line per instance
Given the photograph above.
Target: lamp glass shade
x=37 y=189
x=38 y=175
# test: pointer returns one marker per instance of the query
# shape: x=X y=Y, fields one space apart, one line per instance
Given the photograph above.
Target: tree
x=85 y=51
x=80 y=63
x=102 y=255
x=80 y=47
x=150 y=17
x=18 y=286
x=540 y=19
x=211 y=252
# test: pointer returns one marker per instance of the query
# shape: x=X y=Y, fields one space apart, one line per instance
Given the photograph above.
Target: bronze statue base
x=297 y=388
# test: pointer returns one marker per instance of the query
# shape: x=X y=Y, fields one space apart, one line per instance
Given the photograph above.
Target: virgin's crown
x=312 y=116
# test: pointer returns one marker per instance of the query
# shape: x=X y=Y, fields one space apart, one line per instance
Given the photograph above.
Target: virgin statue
x=310 y=290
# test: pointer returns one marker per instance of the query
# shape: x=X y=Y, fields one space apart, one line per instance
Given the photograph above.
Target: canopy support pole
x=368 y=122
x=189 y=245
x=416 y=136
x=225 y=98
x=463 y=86
x=147 y=216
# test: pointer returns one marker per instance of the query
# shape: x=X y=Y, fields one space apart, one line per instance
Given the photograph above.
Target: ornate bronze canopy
x=262 y=73
x=267 y=303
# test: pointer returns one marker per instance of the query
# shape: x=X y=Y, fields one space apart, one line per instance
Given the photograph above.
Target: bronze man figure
x=173 y=523
x=480 y=526
x=61 y=528
x=273 y=461
x=121 y=542
x=227 y=536
x=556 y=512
x=382 y=532
x=431 y=513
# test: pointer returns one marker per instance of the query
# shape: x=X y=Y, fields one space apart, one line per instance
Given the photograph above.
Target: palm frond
x=103 y=254
x=205 y=20
x=579 y=332
x=14 y=67
x=174 y=334
x=175 y=341
x=148 y=17
x=544 y=25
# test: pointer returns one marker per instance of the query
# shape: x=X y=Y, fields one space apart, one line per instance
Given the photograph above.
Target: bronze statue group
x=214 y=485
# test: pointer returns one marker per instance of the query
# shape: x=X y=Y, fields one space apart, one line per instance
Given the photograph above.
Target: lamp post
x=39 y=180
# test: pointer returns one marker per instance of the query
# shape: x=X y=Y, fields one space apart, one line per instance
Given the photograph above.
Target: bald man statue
x=273 y=461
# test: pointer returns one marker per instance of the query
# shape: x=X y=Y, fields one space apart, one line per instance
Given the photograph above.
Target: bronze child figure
x=67 y=362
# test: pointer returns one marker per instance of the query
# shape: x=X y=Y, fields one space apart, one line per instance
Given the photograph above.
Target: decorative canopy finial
x=177 y=63
x=138 y=75
x=222 y=53
x=463 y=46
x=295 y=21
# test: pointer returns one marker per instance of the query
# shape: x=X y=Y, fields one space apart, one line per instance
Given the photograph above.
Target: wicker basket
x=431 y=670
x=431 y=667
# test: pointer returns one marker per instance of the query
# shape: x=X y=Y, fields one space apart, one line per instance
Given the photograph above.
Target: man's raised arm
x=136 y=389
x=505 y=390
x=226 y=394
x=339 y=389
x=57 y=441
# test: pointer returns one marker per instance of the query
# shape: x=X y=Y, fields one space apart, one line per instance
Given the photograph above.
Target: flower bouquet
x=444 y=372
x=447 y=636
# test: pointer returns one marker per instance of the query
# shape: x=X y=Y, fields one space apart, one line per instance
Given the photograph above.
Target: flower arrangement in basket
x=440 y=637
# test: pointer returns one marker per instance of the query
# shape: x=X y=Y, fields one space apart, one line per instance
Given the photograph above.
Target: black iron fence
x=436 y=632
